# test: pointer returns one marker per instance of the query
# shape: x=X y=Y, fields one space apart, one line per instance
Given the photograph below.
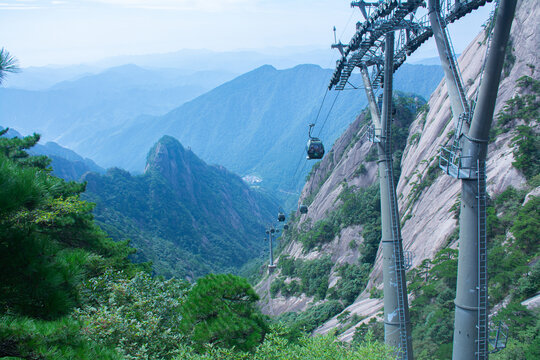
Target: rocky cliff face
x=426 y=196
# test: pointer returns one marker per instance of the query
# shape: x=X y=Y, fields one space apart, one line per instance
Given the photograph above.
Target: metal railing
x=453 y=164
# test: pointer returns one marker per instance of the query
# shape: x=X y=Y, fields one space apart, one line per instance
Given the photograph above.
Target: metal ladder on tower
x=482 y=327
x=397 y=249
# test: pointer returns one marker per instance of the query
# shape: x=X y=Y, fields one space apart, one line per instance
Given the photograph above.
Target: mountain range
x=90 y=104
x=255 y=124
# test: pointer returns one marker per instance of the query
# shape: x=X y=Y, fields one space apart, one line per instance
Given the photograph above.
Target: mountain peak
x=178 y=166
x=165 y=157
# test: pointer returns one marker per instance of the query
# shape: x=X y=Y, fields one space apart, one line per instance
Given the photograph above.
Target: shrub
x=140 y=316
x=277 y=347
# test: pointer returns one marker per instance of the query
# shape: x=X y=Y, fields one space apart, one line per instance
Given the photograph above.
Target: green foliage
x=277 y=347
x=372 y=331
x=219 y=310
x=313 y=276
x=348 y=321
x=361 y=170
x=524 y=325
x=254 y=270
x=62 y=339
x=140 y=316
x=8 y=63
x=509 y=59
x=526 y=227
x=353 y=279
x=456 y=207
x=187 y=217
x=312 y=318
x=313 y=170
x=424 y=110
x=511 y=254
x=361 y=206
x=375 y=293
x=49 y=244
x=524 y=106
x=48 y=240
x=406 y=109
x=324 y=231
x=424 y=180
x=372 y=154
x=433 y=285
x=515 y=277
x=414 y=139
x=527 y=151
x=15 y=149
x=529 y=285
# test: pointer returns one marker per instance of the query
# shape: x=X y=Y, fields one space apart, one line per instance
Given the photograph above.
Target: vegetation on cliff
x=358 y=206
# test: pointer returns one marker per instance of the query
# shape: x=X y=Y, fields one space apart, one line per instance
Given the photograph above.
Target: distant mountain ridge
x=77 y=109
x=254 y=125
x=185 y=216
x=65 y=163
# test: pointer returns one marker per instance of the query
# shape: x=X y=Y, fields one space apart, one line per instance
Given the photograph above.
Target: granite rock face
x=425 y=194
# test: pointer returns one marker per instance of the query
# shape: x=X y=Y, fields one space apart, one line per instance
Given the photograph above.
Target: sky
x=63 y=32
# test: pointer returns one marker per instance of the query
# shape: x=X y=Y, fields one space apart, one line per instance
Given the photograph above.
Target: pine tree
x=7 y=64
x=48 y=240
x=220 y=310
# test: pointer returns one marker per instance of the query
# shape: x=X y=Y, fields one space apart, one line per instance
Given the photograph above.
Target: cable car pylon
x=466 y=160
x=396 y=308
x=271 y=231
x=372 y=42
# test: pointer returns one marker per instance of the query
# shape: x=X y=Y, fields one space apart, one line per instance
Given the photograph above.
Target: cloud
x=19 y=5
x=200 y=5
x=184 y=5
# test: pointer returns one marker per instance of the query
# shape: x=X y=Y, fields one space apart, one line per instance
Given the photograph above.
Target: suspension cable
x=329 y=112
x=301 y=168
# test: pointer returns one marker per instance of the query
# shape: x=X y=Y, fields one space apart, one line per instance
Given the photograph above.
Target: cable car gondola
x=281 y=217
x=314 y=147
x=303 y=209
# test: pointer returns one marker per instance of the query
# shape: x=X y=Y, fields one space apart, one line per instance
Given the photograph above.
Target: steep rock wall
x=426 y=198
x=425 y=195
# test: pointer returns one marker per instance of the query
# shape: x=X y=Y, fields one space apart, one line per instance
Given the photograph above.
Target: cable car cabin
x=281 y=217
x=303 y=209
x=314 y=148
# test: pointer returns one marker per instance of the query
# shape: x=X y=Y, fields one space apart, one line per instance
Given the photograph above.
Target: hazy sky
x=42 y=32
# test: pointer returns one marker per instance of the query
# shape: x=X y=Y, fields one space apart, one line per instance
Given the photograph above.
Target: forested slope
x=185 y=216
